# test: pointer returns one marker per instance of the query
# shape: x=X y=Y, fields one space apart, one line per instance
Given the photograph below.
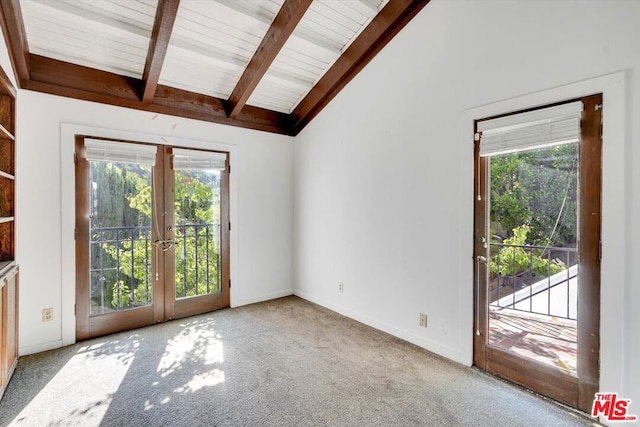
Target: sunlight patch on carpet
x=206 y=379
x=185 y=355
x=108 y=363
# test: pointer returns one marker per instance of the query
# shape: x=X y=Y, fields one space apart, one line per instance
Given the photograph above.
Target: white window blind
x=120 y=152
x=534 y=129
x=199 y=160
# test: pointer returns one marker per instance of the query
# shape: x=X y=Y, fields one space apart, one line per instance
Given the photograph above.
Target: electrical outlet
x=423 y=320
x=340 y=287
x=47 y=314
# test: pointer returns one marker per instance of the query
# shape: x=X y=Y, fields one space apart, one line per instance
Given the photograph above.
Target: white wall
x=261 y=204
x=384 y=175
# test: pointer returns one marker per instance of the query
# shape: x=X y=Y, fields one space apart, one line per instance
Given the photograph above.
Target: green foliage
x=196 y=278
x=121 y=296
x=113 y=188
x=510 y=200
x=197 y=201
x=122 y=197
x=529 y=187
x=512 y=260
x=140 y=199
x=197 y=197
x=140 y=270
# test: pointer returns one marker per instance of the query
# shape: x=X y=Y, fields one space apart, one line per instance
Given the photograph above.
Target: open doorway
x=537 y=248
x=152 y=234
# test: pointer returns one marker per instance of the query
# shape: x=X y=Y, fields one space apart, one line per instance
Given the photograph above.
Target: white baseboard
x=51 y=345
x=260 y=298
x=367 y=320
x=427 y=344
x=39 y=348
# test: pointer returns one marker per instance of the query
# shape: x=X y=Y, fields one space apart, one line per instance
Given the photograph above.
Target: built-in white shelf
x=4 y=133
x=5 y=266
x=7 y=175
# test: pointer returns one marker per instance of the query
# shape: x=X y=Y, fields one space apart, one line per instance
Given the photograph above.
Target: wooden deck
x=546 y=339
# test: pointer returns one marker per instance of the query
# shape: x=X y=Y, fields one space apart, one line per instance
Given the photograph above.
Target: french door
x=537 y=249
x=152 y=234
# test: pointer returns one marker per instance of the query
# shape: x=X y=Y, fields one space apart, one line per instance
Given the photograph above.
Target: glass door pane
x=150 y=246
x=533 y=255
x=120 y=246
x=198 y=268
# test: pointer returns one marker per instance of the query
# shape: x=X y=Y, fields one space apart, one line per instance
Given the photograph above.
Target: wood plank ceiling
x=270 y=65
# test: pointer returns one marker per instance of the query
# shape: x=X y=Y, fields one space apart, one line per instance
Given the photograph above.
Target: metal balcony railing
x=534 y=279
x=121 y=270
x=198 y=260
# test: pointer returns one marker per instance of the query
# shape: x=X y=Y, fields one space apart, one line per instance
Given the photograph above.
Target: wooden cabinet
x=8 y=323
x=8 y=267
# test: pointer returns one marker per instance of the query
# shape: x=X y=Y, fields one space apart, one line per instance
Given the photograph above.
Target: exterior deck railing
x=529 y=290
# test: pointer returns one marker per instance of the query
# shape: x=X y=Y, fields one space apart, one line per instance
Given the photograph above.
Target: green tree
x=537 y=188
x=197 y=207
x=123 y=198
x=112 y=186
x=515 y=259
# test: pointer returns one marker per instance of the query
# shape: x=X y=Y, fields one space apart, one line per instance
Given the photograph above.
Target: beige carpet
x=285 y=362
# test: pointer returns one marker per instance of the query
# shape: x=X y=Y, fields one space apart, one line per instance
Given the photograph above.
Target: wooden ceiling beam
x=391 y=19
x=160 y=36
x=34 y=72
x=75 y=81
x=283 y=25
x=16 y=38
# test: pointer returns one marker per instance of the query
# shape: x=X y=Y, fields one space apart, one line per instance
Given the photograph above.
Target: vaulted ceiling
x=271 y=65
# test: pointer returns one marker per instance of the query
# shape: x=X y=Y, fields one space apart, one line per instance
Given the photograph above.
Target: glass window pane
x=120 y=236
x=534 y=254
x=197 y=249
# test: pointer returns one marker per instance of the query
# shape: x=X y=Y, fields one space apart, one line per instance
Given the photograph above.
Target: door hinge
x=229 y=226
x=476 y=137
x=229 y=169
x=229 y=283
x=75 y=234
x=600 y=251
x=598 y=107
x=75 y=308
x=75 y=157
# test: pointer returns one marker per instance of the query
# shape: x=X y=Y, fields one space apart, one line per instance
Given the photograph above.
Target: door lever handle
x=481 y=258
